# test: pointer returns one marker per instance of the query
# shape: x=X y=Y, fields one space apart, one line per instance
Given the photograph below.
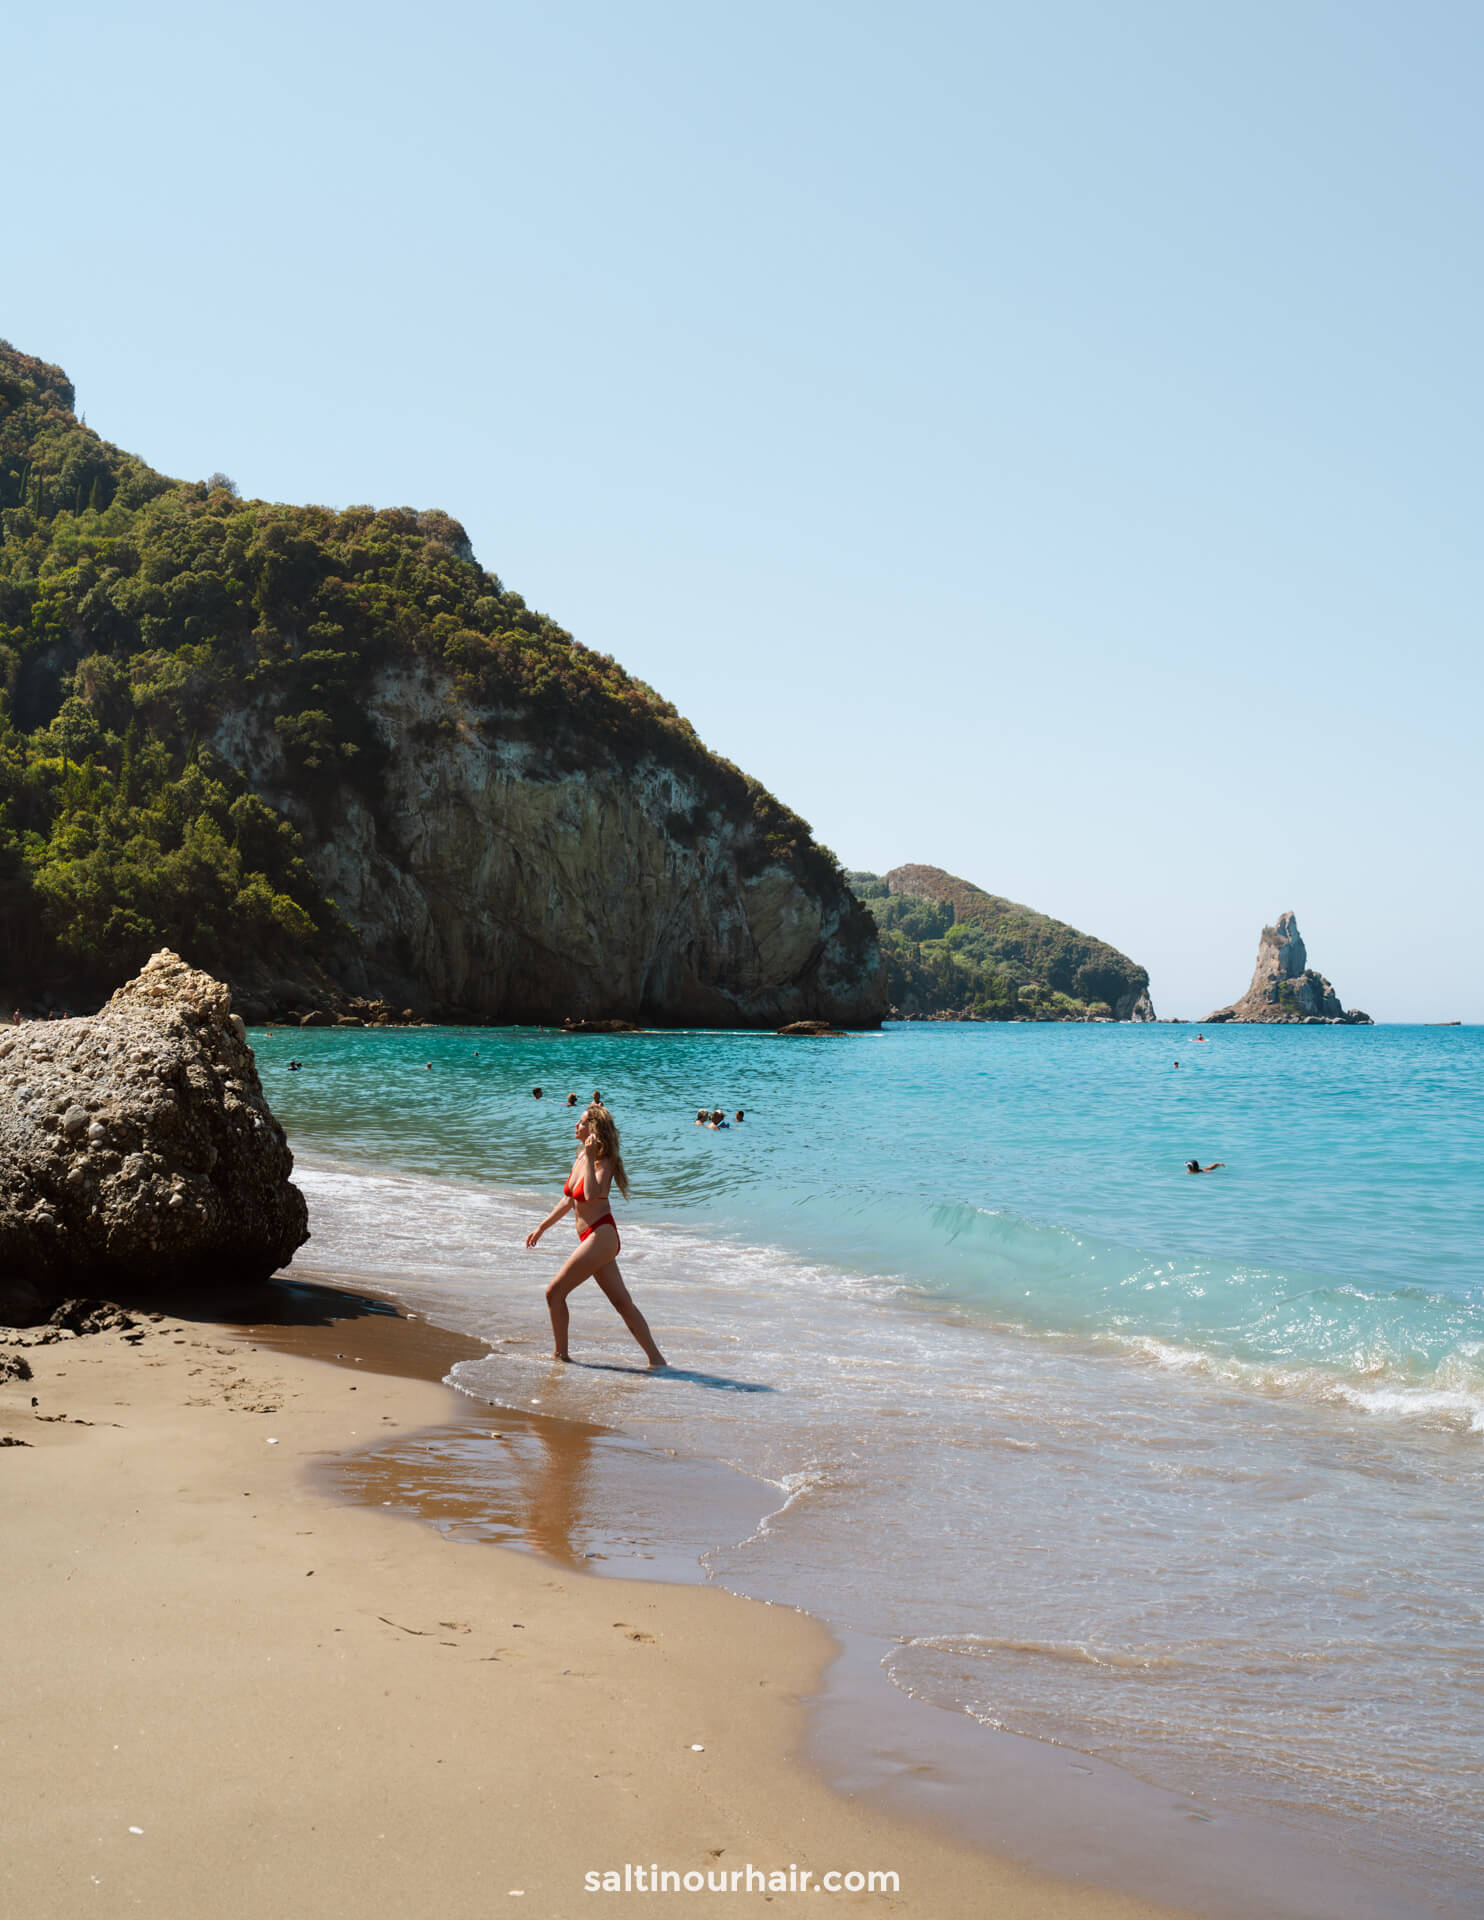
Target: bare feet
x=563 y=1356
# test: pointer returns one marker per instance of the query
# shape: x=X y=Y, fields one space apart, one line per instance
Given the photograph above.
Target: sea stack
x=1285 y=989
x=137 y=1151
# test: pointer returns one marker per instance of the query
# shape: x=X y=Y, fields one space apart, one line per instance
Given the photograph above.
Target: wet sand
x=230 y=1690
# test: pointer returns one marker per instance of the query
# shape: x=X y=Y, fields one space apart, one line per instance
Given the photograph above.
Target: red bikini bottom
x=607 y=1220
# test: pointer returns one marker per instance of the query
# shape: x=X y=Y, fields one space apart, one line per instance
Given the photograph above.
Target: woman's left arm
x=597 y=1175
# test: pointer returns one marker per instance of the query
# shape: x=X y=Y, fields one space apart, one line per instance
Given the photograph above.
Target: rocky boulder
x=137 y=1152
x=1285 y=989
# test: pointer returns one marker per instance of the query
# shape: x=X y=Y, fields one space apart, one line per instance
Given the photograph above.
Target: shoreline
x=236 y=1693
x=1044 y=1808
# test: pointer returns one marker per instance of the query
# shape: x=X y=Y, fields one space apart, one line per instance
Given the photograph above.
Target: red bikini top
x=575 y=1193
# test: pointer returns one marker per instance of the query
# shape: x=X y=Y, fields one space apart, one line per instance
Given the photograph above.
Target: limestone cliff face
x=1285 y=990
x=531 y=879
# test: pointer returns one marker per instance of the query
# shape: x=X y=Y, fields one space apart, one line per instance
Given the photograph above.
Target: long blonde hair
x=605 y=1130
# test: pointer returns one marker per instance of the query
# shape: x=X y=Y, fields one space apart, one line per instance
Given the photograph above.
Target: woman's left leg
x=611 y=1281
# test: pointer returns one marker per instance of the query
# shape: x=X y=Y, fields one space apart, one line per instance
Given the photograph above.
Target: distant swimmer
x=739 y=1116
x=703 y=1116
x=1177 y=1063
x=597 y=1099
x=571 y=1099
x=717 y=1121
x=596 y=1169
x=1202 y=1038
x=535 y=1093
x=1194 y=1166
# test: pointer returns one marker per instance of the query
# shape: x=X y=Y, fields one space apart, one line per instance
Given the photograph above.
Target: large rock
x=1285 y=989
x=137 y=1150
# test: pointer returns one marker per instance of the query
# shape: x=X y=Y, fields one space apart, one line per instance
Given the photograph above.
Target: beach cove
x=1171 y=1541
x=232 y=1694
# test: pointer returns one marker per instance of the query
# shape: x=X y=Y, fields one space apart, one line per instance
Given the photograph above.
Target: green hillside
x=136 y=611
x=952 y=948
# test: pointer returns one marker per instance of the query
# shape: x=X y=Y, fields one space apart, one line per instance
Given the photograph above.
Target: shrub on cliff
x=135 y=611
x=950 y=946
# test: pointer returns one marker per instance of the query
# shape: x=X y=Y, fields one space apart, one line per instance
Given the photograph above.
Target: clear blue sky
x=1042 y=441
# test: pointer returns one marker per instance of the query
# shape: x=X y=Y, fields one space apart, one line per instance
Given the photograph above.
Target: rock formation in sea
x=137 y=1151
x=1285 y=989
x=955 y=952
x=327 y=755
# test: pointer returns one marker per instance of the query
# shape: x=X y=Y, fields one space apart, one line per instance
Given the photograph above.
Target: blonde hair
x=605 y=1131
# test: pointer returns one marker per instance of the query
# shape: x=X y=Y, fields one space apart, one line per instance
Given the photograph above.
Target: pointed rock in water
x=1285 y=989
x=181 y=1174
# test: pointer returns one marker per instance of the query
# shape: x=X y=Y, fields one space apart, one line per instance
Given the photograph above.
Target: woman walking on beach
x=597 y=1166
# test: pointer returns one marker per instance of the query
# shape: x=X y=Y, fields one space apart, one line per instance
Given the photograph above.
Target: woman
x=585 y=1195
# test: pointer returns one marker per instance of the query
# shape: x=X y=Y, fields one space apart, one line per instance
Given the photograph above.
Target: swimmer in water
x=571 y=1099
x=595 y=1170
x=535 y=1093
x=1194 y=1166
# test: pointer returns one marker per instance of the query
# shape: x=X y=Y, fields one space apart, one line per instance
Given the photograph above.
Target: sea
x=1179 y=1474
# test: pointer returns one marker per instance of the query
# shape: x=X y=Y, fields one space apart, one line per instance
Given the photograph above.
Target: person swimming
x=717 y=1120
x=585 y=1195
x=1194 y=1166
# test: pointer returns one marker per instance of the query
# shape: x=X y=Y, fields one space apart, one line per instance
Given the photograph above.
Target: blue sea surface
x=1184 y=1472
x=1032 y=1172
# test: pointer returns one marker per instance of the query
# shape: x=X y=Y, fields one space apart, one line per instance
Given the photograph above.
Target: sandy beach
x=229 y=1693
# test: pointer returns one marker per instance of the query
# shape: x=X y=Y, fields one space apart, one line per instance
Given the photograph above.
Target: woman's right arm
x=550 y=1221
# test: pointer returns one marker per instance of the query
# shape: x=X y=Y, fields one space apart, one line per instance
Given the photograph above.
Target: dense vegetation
x=137 y=611
x=951 y=947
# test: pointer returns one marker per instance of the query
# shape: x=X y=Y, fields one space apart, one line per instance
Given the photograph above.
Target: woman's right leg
x=580 y=1265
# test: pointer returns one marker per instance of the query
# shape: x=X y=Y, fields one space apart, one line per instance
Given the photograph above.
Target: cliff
x=953 y=950
x=326 y=753
x=1285 y=989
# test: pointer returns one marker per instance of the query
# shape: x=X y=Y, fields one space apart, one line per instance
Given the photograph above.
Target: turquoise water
x=1183 y=1472
x=1032 y=1172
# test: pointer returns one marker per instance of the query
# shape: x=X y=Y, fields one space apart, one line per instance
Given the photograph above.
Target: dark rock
x=180 y=1175
x=319 y=1018
x=14 y=1366
x=810 y=1030
x=599 y=1026
x=89 y=1316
